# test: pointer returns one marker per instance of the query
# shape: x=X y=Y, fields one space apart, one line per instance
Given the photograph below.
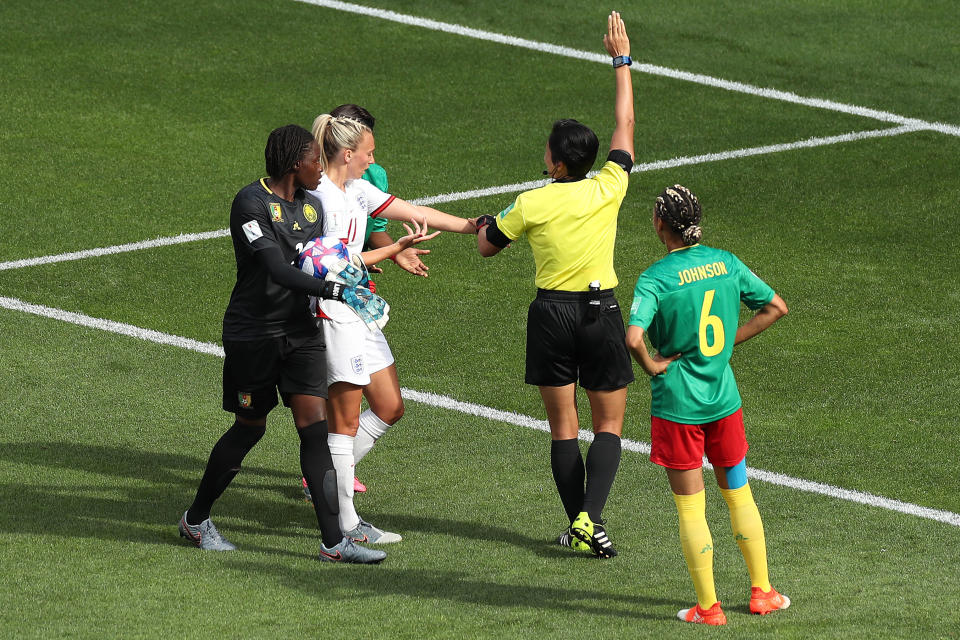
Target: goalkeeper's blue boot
x=204 y=535
x=591 y=536
x=349 y=551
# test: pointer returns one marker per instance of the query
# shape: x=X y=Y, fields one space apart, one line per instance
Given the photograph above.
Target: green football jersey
x=377 y=176
x=689 y=303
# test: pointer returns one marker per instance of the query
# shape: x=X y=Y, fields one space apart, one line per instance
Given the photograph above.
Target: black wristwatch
x=620 y=61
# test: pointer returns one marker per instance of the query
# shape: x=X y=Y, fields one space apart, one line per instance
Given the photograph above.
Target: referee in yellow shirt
x=574 y=327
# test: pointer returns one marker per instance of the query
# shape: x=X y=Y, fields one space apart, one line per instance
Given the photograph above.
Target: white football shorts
x=354 y=352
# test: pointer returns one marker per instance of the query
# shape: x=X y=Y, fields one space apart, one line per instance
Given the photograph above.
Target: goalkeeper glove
x=371 y=308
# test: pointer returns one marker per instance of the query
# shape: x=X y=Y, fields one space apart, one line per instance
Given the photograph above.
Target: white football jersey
x=345 y=217
x=345 y=212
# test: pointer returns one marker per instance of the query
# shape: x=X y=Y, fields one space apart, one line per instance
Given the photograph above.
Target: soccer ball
x=321 y=255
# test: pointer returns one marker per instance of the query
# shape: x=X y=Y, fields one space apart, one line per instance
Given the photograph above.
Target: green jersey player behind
x=688 y=303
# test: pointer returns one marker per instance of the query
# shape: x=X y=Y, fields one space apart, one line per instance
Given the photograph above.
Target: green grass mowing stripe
x=602 y=58
x=895 y=56
x=89 y=542
x=186 y=99
x=480 y=193
x=445 y=402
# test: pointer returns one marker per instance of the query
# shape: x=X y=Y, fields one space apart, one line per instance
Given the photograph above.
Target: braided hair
x=680 y=209
x=354 y=112
x=285 y=147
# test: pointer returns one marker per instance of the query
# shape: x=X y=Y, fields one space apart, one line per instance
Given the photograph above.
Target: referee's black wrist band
x=622 y=61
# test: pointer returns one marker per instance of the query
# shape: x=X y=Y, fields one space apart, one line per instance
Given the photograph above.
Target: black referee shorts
x=570 y=340
x=254 y=370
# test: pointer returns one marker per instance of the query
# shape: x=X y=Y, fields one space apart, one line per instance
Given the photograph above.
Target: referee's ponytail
x=679 y=208
x=285 y=146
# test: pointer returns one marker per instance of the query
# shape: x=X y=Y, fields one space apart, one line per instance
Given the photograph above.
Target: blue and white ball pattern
x=321 y=254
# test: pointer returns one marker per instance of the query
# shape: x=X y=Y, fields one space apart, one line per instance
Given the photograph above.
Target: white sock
x=341 y=449
x=371 y=428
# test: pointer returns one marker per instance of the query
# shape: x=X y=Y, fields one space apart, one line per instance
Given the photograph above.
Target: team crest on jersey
x=245 y=399
x=276 y=212
x=357 y=362
x=309 y=213
x=362 y=201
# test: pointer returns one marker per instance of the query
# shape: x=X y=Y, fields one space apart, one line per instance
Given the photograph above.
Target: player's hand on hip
x=660 y=363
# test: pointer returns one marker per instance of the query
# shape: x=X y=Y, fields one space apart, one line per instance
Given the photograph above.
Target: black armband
x=622 y=158
x=496 y=237
x=485 y=220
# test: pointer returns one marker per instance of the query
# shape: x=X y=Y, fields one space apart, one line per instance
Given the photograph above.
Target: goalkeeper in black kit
x=272 y=342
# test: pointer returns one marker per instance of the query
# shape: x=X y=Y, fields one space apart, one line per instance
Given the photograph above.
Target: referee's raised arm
x=617 y=45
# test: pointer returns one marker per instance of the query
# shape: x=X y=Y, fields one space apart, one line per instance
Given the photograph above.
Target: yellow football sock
x=748 y=532
x=697 y=545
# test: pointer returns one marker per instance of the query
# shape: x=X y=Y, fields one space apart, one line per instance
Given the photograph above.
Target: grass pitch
x=128 y=123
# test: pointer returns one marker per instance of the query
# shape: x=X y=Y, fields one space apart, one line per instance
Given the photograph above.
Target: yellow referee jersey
x=571 y=227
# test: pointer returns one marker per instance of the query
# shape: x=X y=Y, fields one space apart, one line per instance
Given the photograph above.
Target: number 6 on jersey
x=714 y=322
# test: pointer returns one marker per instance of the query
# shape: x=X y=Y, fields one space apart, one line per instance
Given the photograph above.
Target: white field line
x=680 y=162
x=113 y=327
x=445 y=402
x=488 y=191
x=650 y=69
x=120 y=248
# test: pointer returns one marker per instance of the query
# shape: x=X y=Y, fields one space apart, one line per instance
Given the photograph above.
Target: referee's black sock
x=603 y=460
x=223 y=465
x=568 y=473
x=316 y=464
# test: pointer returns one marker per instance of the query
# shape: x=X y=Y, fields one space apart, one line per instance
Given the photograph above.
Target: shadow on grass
x=355 y=583
x=132 y=495
x=115 y=493
x=129 y=494
x=480 y=530
x=119 y=462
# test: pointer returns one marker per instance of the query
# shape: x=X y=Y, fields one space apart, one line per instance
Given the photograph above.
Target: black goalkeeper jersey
x=259 y=219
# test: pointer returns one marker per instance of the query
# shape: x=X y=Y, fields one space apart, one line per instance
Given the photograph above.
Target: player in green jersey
x=688 y=304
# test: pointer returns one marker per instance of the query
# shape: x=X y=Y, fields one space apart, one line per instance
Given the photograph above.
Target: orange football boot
x=714 y=615
x=763 y=603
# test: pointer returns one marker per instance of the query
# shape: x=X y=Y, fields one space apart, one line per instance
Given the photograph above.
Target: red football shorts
x=682 y=446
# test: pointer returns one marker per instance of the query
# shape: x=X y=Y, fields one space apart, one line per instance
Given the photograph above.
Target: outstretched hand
x=416 y=235
x=409 y=260
x=616 y=41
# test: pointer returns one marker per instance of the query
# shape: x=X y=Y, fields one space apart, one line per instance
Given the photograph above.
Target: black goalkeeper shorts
x=254 y=370
x=570 y=340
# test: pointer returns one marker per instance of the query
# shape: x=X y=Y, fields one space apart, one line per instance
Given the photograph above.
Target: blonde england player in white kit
x=359 y=361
